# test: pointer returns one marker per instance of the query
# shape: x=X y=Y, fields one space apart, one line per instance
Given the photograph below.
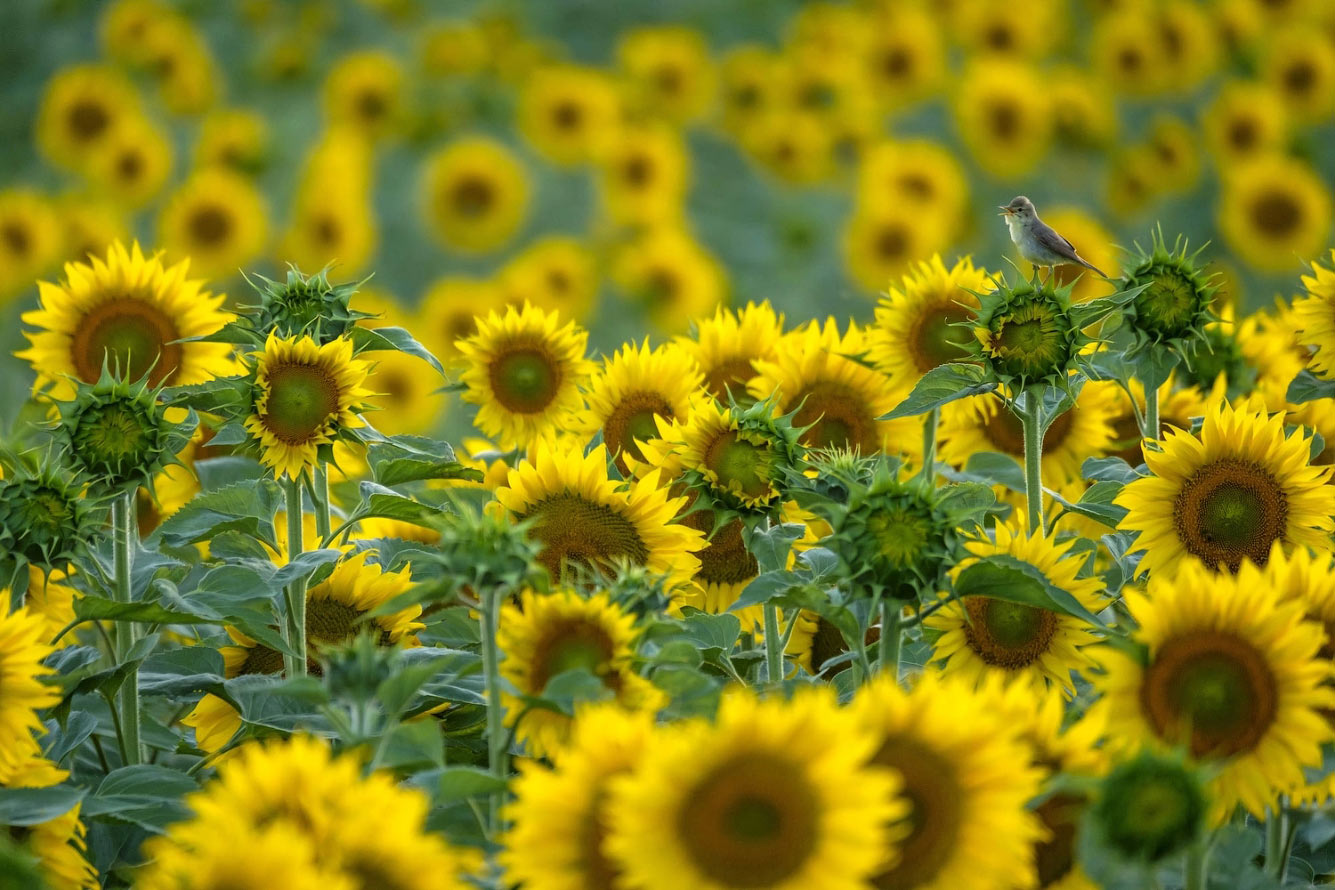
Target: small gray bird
x=1037 y=241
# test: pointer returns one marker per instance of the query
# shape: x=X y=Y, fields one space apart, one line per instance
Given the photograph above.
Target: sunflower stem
x=930 y=421
x=126 y=632
x=773 y=646
x=1197 y=869
x=1033 y=456
x=320 y=498
x=1151 y=428
x=1276 y=842
x=496 y=745
x=892 y=637
x=295 y=663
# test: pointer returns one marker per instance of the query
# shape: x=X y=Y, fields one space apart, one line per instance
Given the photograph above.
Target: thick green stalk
x=1276 y=843
x=296 y=591
x=1151 y=428
x=773 y=645
x=320 y=497
x=1033 y=456
x=930 y=421
x=491 y=669
x=892 y=637
x=126 y=632
x=1197 y=872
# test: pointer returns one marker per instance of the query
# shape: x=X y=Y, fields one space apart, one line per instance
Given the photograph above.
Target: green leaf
x=227 y=396
x=392 y=338
x=97 y=608
x=1108 y=469
x=1096 y=503
x=1003 y=577
x=713 y=631
x=377 y=500
x=413 y=469
x=1307 y=387
x=146 y=795
x=21 y=807
x=941 y=385
x=763 y=588
x=1086 y=313
x=287 y=705
x=463 y=782
x=182 y=674
x=397 y=691
x=770 y=546
x=413 y=746
x=572 y=687
x=220 y=472
x=990 y=468
x=246 y=507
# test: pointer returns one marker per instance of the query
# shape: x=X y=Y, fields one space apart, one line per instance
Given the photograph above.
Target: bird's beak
x=1005 y=211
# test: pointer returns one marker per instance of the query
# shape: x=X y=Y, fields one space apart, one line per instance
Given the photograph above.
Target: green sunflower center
x=1008 y=635
x=113 y=436
x=751 y=822
x=576 y=530
x=1150 y=808
x=1230 y=510
x=633 y=418
x=1168 y=306
x=937 y=340
x=837 y=417
x=567 y=646
x=524 y=380
x=302 y=399
x=932 y=786
x=1211 y=687
x=900 y=535
x=1029 y=342
x=129 y=335
x=741 y=465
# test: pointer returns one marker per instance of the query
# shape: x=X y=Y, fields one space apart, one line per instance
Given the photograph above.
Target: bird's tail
x=1092 y=267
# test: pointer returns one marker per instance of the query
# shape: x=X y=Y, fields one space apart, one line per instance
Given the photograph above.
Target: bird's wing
x=1049 y=238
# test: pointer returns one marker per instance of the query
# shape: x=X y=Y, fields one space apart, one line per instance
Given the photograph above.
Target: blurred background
x=637 y=164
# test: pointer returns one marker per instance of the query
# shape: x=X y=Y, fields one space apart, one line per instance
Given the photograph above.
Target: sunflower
x=1229 y=495
x=235 y=138
x=1127 y=52
x=407 y=394
x=670 y=72
x=556 y=273
x=1003 y=116
x=984 y=423
x=559 y=815
x=90 y=227
x=330 y=227
x=633 y=388
x=1173 y=150
x=524 y=369
x=1129 y=185
x=1232 y=673
x=364 y=91
x=336 y=610
x=565 y=111
x=748 y=86
x=1246 y=120
x=125 y=23
x=773 y=794
x=967 y=778
x=1273 y=211
x=833 y=93
x=128 y=312
x=583 y=517
x=452 y=48
x=981 y=636
x=671 y=275
x=30 y=238
x=216 y=218
x=1000 y=29
x=726 y=346
x=179 y=58
x=476 y=195
x=1189 y=43
x=1097 y=245
x=837 y=400
x=449 y=310
x=276 y=855
x=880 y=244
x=1084 y=113
x=58 y=844
x=914 y=176
x=51 y=597
x=740 y=454
x=23 y=647
x=1314 y=317
x=906 y=59
x=919 y=321
x=1178 y=407
x=82 y=107
x=133 y=164
x=1299 y=67
x=797 y=147
x=548 y=634
x=306 y=396
x=645 y=171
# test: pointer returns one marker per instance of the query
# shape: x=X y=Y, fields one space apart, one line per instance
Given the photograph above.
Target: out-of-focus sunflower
x=981 y=636
x=837 y=400
x=773 y=795
x=133 y=164
x=82 y=106
x=30 y=238
x=51 y=597
x=1004 y=116
x=130 y=312
x=177 y=56
x=524 y=370
x=407 y=393
x=275 y=854
x=645 y=171
x=984 y=423
x=1130 y=180
x=475 y=194
x=1173 y=147
x=906 y=58
x=1084 y=113
x=308 y=393
x=125 y=24
x=453 y=47
x=1189 y=43
x=559 y=816
x=670 y=72
x=1299 y=67
x=631 y=390
x=330 y=227
x=364 y=90
x=23 y=648
x=556 y=273
x=796 y=147
x=565 y=111
x=1274 y=210
x=1021 y=32
x=968 y=779
x=1314 y=316
x=749 y=86
x=1127 y=52
x=1245 y=120
x=883 y=243
x=1232 y=673
x=1229 y=495
x=1179 y=405
x=671 y=275
x=584 y=518
x=726 y=346
x=58 y=844
x=90 y=226
x=236 y=138
x=449 y=311
x=217 y=219
x=548 y=634
x=918 y=321
x=914 y=176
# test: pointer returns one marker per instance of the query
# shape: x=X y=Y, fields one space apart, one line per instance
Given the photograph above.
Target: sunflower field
x=618 y=445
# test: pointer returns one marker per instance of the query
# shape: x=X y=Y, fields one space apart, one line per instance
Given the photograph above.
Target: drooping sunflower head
x=921 y=323
x=1150 y=807
x=741 y=456
x=1025 y=333
x=1175 y=305
x=125 y=312
x=117 y=433
x=634 y=389
x=1230 y=494
x=306 y=397
x=726 y=346
x=44 y=517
